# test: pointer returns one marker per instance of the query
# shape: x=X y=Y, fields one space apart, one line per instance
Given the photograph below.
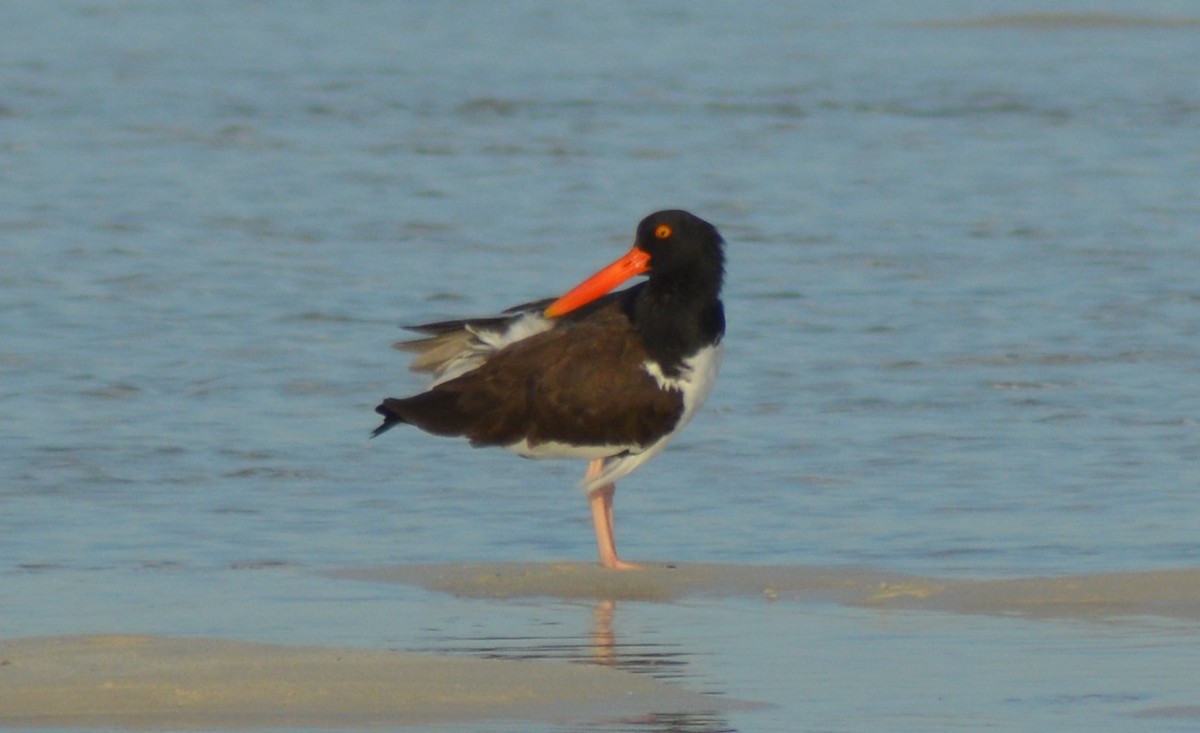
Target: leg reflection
x=603 y=641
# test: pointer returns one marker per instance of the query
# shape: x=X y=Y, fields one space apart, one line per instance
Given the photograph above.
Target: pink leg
x=601 y=501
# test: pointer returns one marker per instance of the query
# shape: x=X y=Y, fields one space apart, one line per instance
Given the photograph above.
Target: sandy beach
x=136 y=681
x=173 y=683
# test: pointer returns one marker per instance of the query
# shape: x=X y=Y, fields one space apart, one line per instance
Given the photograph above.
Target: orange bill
x=635 y=262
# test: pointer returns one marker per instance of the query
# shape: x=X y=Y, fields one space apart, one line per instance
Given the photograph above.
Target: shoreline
x=141 y=681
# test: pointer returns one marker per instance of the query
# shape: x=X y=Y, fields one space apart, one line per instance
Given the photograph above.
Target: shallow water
x=962 y=296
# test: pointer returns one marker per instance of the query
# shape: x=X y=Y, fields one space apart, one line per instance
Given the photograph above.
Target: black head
x=683 y=249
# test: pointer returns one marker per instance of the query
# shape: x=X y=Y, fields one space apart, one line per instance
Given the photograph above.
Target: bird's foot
x=616 y=563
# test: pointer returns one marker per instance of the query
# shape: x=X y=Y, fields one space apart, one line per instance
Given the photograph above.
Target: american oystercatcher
x=610 y=377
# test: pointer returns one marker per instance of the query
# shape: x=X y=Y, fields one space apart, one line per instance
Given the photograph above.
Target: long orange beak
x=635 y=262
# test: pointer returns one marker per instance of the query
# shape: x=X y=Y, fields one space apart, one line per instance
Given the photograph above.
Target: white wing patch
x=485 y=342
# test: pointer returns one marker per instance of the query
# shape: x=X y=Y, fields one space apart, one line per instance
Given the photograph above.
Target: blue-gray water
x=963 y=303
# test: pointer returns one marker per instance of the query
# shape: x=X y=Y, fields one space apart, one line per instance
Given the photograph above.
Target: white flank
x=695 y=381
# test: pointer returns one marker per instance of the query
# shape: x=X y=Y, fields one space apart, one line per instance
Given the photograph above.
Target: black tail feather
x=391 y=418
x=436 y=411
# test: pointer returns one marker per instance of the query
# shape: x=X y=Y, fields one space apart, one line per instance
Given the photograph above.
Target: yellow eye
x=662 y=232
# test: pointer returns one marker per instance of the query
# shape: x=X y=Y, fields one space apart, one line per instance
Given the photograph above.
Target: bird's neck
x=677 y=318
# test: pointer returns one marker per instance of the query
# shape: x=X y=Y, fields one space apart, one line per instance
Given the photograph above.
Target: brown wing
x=582 y=383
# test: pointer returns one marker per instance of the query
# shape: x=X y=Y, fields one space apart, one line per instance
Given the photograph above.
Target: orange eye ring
x=662 y=231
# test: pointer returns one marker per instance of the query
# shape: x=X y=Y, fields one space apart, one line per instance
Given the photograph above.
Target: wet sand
x=174 y=683
x=1169 y=593
x=169 y=683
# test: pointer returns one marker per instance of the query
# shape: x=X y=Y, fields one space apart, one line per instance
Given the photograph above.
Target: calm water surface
x=963 y=296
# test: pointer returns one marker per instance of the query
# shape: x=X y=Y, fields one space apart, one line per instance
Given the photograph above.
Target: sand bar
x=170 y=683
x=173 y=683
x=1167 y=593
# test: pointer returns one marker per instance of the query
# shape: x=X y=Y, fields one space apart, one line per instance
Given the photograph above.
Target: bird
x=609 y=377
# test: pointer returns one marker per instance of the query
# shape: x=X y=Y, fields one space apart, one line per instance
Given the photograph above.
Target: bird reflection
x=656 y=661
x=604 y=641
x=601 y=645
